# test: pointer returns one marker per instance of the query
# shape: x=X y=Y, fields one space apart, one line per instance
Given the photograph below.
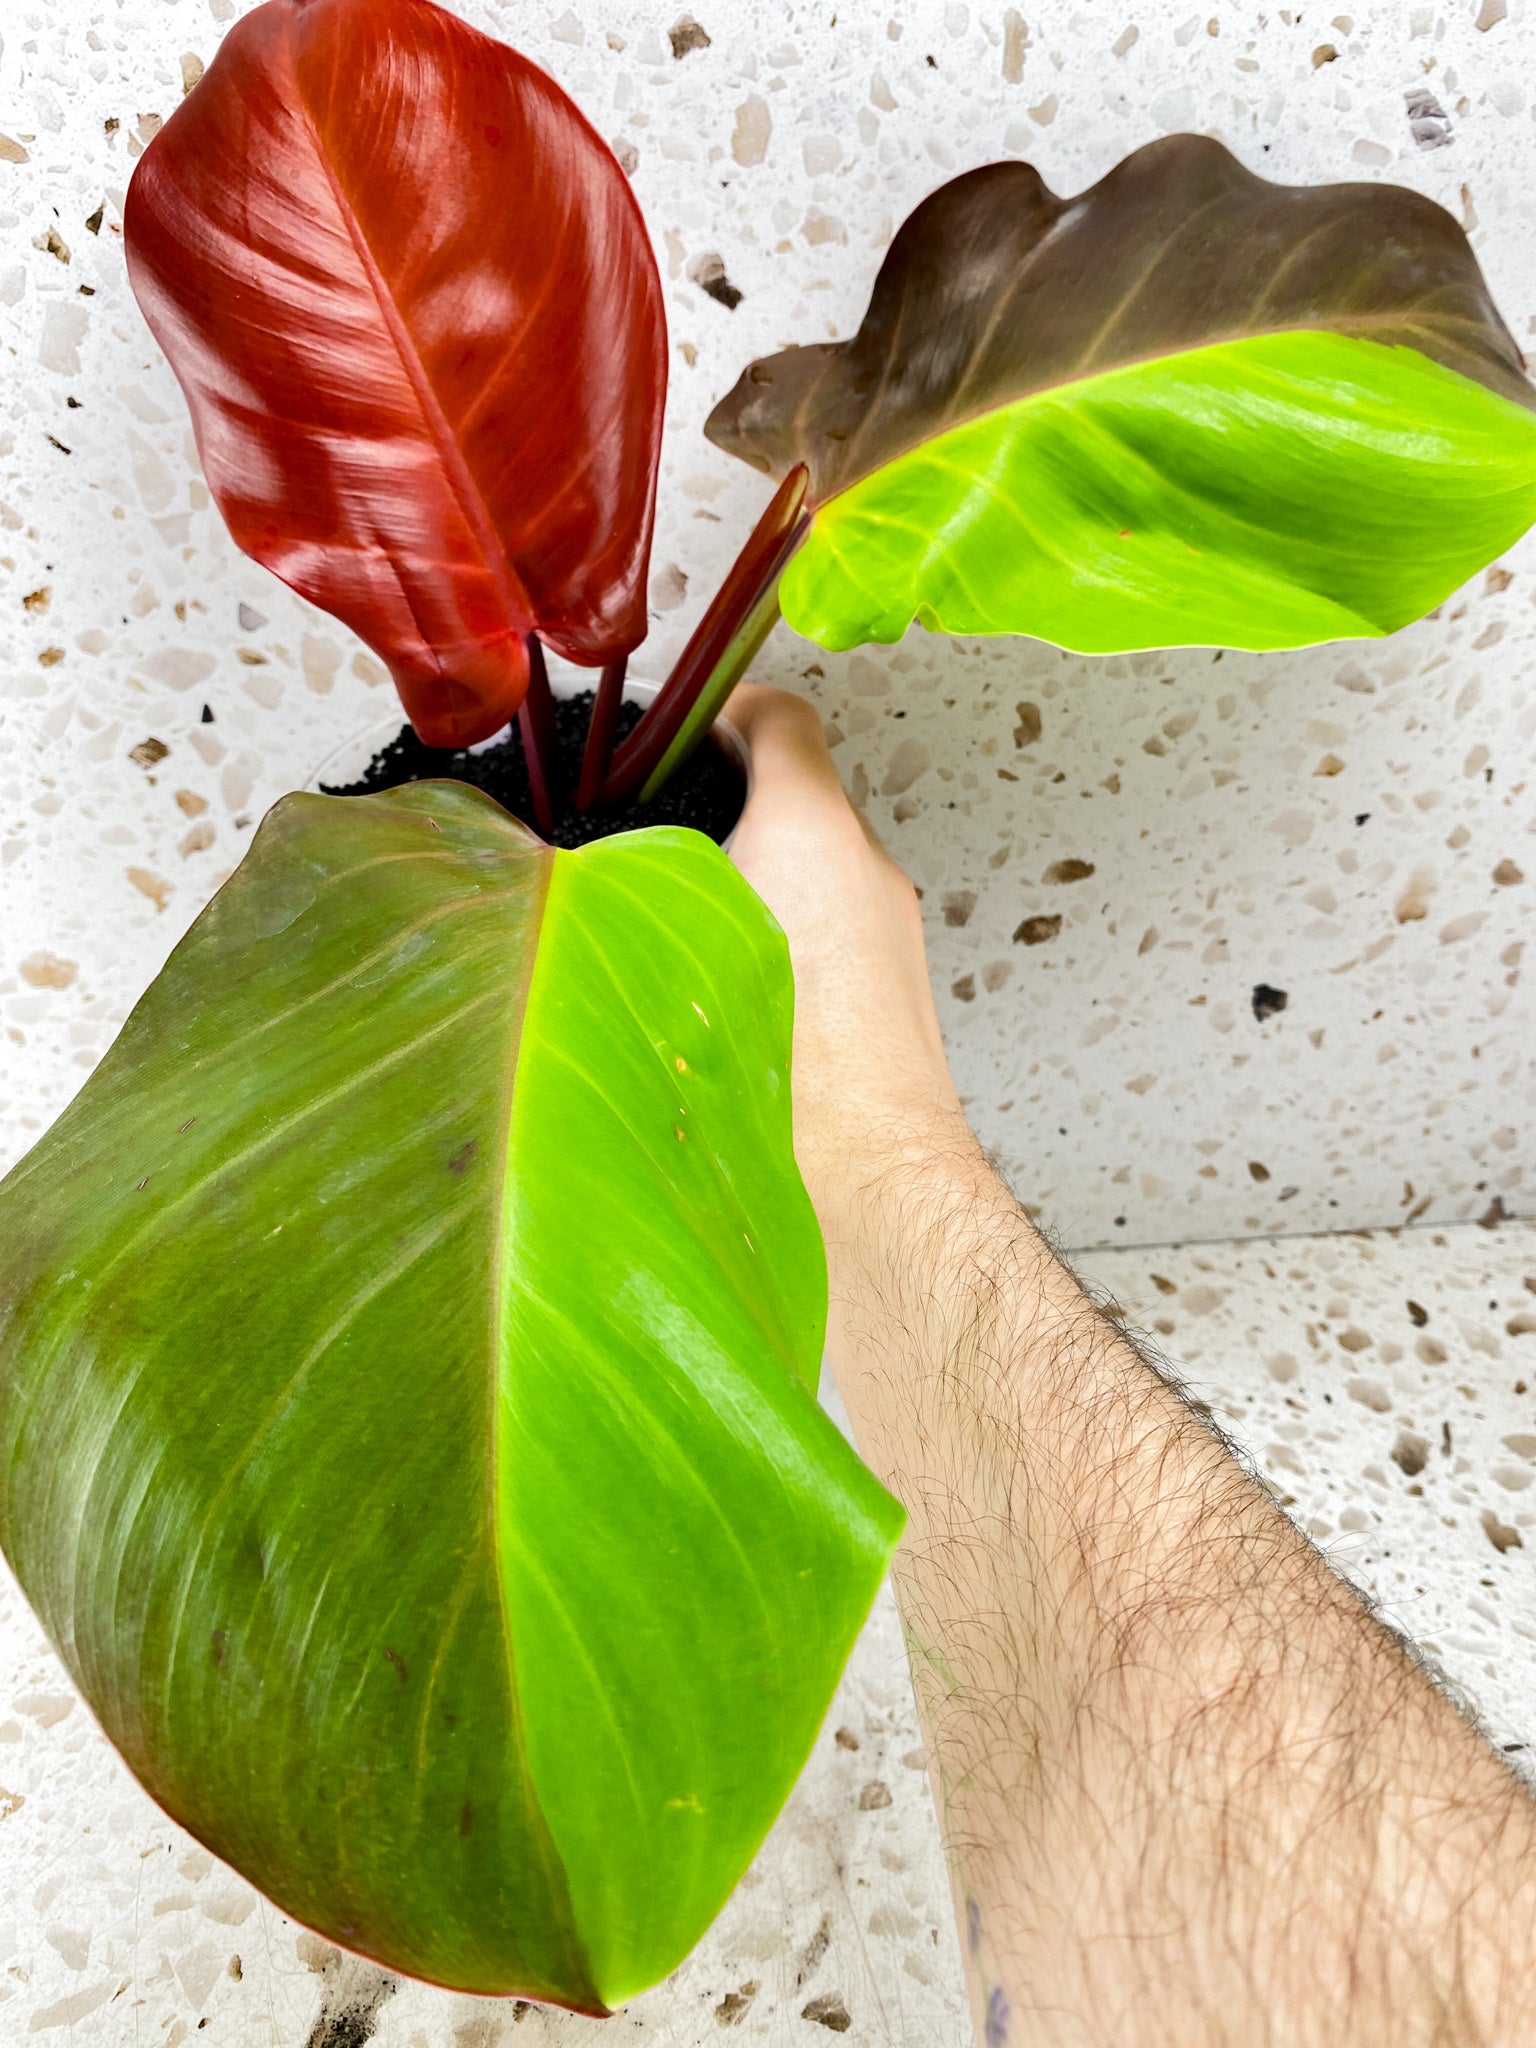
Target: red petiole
x=716 y=656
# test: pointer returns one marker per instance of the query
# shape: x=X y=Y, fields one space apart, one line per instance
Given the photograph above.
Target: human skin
x=1192 y=1792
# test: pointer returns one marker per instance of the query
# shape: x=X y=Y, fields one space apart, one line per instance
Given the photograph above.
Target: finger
x=784 y=738
x=792 y=770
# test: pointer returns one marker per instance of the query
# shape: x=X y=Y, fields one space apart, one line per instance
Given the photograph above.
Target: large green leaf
x=408 y=1437
x=1185 y=407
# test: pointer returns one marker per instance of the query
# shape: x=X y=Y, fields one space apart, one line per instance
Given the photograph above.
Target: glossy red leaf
x=412 y=304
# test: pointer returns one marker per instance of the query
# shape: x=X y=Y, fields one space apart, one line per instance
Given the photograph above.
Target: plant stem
x=536 y=722
x=599 y=748
x=732 y=629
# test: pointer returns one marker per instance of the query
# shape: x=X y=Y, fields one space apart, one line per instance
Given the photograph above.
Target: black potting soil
x=707 y=792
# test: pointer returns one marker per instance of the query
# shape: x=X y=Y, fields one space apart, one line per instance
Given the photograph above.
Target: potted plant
x=408 y=1338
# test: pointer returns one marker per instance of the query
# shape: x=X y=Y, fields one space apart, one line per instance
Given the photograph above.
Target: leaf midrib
x=466 y=490
x=1344 y=332
x=495 y=1322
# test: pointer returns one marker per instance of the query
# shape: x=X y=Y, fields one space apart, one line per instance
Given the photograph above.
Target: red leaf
x=412 y=304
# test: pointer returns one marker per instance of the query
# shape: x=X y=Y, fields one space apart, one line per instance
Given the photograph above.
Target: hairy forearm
x=1191 y=1791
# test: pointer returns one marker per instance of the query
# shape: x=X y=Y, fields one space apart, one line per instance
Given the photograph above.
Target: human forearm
x=1191 y=1791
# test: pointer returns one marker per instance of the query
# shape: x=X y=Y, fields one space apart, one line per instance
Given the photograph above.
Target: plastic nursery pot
x=346 y=763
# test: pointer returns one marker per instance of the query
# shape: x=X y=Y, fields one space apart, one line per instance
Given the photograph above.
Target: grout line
x=1181 y=1244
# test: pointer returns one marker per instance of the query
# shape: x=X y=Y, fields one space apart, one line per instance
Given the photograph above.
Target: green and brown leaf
x=408 y=1434
x=1186 y=406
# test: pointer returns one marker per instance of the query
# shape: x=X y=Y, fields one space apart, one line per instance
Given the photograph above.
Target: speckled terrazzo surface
x=1351 y=827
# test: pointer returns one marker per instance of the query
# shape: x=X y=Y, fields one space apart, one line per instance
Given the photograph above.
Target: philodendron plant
x=408 y=1338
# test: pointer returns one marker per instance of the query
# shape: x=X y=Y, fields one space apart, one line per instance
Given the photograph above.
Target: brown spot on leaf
x=394 y=1658
x=459 y=1163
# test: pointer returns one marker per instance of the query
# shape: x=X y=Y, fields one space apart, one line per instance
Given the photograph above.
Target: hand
x=870 y=1078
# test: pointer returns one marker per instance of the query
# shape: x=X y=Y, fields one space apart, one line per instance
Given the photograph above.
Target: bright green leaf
x=1264 y=493
x=408 y=1342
